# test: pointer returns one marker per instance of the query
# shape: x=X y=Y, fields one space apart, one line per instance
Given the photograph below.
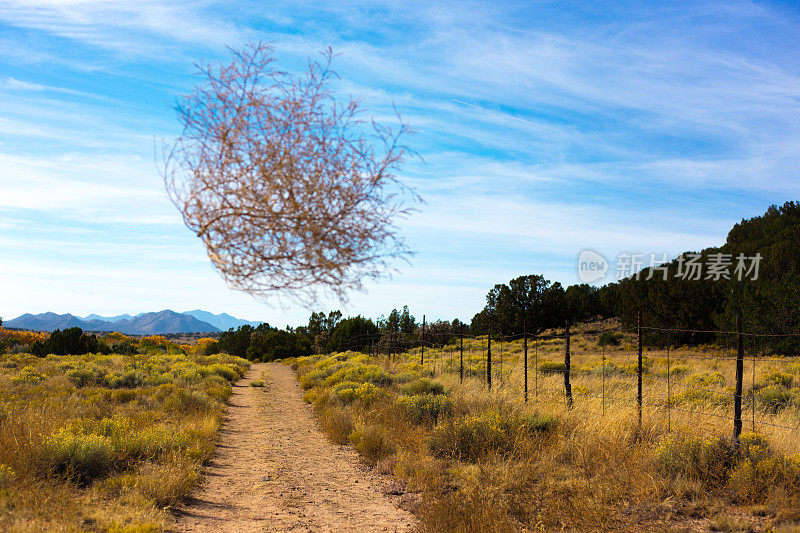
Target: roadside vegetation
x=474 y=459
x=106 y=442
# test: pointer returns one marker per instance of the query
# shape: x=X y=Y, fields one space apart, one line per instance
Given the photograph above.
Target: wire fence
x=769 y=401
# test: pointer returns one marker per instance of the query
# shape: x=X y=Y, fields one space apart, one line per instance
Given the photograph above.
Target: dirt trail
x=273 y=470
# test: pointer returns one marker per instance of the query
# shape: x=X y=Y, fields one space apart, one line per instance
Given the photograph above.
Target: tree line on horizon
x=769 y=304
x=532 y=304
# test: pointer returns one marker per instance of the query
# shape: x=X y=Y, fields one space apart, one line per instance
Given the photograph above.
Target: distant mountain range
x=158 y=323
x=222 y=321
x=117 y=318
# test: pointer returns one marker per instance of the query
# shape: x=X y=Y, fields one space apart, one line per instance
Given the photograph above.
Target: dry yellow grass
x=700 y=388
x=490 y=462
x=106 y=443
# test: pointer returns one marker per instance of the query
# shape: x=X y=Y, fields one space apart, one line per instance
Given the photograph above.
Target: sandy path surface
x=273 y=470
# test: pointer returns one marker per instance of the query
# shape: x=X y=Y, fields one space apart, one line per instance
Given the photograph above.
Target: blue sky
x=545 y=128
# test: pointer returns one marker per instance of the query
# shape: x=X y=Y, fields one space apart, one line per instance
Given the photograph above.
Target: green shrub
x=761 y=471
x=772 y=391
x=345 y=391
x=215 y=379
x=321 y=371
x=218 y=392
x=83 y=457
x=310 y=396
x=699 y=397
x=468 y=439
x=425 y=408
x=128 y=380
x=152 y=443
x=227 y=371
x=404 y=377
x=679 y=370
x=257 y=383
x=705 y=461
x=86 y=374
x=609 y=338
x=360 y=374
x=776 y=378
x=188 y=401
x=28 y=374
x=705 y=379
x=774 y=397
x=348 y=392
x=474 y=437
x=697 y=390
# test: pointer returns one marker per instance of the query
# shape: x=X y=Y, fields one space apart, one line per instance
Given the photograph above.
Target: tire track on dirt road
x=273 y=470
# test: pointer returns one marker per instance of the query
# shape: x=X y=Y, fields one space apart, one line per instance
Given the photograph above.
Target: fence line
x=448 y=341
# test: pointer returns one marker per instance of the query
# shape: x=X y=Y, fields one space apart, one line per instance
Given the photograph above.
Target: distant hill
x=158 y=323
x=163 y=322
x=111 y=319
x=52 y=321
x=222 y=321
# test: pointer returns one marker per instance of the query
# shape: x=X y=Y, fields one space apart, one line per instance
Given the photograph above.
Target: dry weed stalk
x=279 y=180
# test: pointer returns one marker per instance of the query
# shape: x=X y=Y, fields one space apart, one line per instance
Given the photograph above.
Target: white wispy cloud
x=123 y=26
x=649 y=130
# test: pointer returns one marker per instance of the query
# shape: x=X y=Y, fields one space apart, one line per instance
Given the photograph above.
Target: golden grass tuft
x=483 y=460
x=106 y=442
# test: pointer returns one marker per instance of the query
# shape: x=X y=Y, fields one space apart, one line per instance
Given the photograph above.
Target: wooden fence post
x=452 y=349
x=525 y=350
x=461 y=370
x=603 y=396
x=422 y=342
x=737 y=399
x=535 y=369
x=489 y=359
x=753 y=386
x=567 y=384
x=669 y=391
x=639 y=371
x=501 y=361
x=469 y=355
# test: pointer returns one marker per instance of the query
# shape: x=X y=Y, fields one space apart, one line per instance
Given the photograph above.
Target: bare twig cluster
x=281 y=181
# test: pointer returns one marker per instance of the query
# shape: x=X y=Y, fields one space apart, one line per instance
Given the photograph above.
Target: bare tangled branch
x=279 y=180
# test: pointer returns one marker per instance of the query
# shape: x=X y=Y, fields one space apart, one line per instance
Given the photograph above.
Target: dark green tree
x=531 y=301
x=354 y=333
x=71 y=341
x=235 y=342
x=407 y=323
x=270 y=344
